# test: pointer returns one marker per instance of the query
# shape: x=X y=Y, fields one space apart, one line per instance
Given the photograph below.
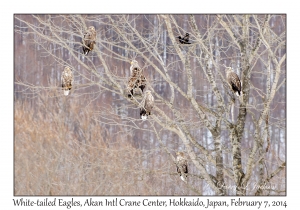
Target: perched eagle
x=146 y=105
x=137 y=80
x=185 y=39
x=182 y=167
x=67 y=79
x=233 y=80
x=89 y=39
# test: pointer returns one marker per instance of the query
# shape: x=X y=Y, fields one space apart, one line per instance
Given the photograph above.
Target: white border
x=153 y=6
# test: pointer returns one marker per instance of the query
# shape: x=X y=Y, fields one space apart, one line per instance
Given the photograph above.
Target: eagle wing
x=234 y=81
x=149 y=103
x=184 y=166
x=86 y=38
x=132 y=83
x=142 y=82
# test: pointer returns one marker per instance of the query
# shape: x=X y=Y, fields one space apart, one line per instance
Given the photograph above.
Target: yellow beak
x=131 y=62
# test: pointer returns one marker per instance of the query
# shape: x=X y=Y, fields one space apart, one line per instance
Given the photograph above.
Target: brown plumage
x=137 y=80
x=146 y=105
x=67 y=79
x=233 y=80
x=182 y=167
x=89 y=40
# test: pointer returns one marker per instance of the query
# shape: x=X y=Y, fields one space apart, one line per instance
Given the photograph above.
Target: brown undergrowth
x=74 y=156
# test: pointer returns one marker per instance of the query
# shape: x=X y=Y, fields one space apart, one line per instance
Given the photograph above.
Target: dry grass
x=53 y=156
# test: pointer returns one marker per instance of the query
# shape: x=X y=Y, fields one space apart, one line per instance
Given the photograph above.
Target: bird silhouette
x=185 y=39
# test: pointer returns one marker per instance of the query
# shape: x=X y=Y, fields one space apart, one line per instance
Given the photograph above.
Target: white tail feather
x=182 y=178
x=66 y=92
x=144 y=117
x=237 y=93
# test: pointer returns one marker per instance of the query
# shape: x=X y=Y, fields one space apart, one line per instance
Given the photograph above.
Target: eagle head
x=180 y=154
x=228 y=69
x=67 y=68
x=134 y=62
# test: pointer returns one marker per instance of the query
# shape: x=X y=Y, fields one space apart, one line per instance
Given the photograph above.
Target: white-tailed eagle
x=137 y=80
x=182 y=167
x=233 y=80
x=67 y=79
x=146 y=105
x=89 y=40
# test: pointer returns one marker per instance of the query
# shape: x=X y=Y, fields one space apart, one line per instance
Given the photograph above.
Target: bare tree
x=235 y=145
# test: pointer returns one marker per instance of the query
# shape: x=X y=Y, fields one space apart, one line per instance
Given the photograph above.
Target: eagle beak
x=131 y=62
